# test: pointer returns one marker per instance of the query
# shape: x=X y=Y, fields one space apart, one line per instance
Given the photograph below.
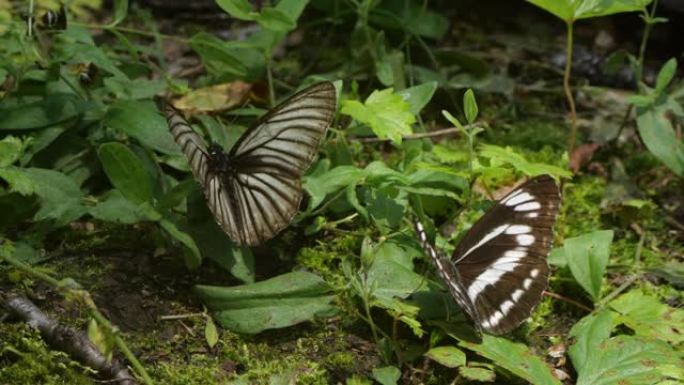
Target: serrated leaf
x=60 y=196
x=648 y=317
x=113 y=207
x=278 y=302
x=449 y=356
x=506 y=155
x=11 y=149
x=385 y=112
x=587 y=257
x=514 y=357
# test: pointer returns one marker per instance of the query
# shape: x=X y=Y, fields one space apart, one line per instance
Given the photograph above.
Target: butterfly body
x=254 y=190
x=498 y=272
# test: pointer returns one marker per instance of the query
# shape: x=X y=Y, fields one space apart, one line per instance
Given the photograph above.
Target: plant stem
x=132 y=31
x=644 y=40
x=269 y=76
x=568 y=90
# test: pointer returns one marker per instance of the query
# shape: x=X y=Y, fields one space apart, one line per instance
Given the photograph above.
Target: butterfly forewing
x=501 y=262
x=258 y=191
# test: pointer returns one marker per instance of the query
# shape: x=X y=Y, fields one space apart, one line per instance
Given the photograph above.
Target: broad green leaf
x=142 y=121
x=126 y=172
x=587 y=257
x=210 y=333
x=470 y=106
x=278 y=302
x=389 y=68
x=388 y=375
x=276 y=20
x=11 y=149
x=571 y=10
x=411 y=16
x=514 y=357
x=658 y=134
x=60 y=196
x=192 y=260
x=589 y=333
x=477 y=374
x=665 y=75
x=391 y=273
x=672 y=272
x=17 y=180
x=386 y=211
x=319 y=186
x=220 y=59
x=49 y=111
x=239 y=9
x=449 y=356
x=501 y=156
x=120 y=12
x=113 y=207
x=630 y=360
x=648 y=317
x=418 y=96
x=385 y=112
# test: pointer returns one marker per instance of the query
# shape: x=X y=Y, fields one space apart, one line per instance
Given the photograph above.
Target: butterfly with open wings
x=498 y=272
x=255 y=189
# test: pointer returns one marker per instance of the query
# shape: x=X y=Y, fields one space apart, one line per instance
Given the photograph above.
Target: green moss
x=581 y=208
x=26 y=359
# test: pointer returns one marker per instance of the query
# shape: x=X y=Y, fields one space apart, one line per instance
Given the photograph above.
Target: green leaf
x=650 y=318
x=120 y=12
x=113 y=207
x=470 y=106
x=278 y=302
x=60 y=196
x=658 y=134
x=18 y=181
x=223 y=60
x=477 y=374
x=630 y=360
x=587 y=257
x=500 y=156
x=386 y=211
x=195 y=258
x=49 y=111
x=11 y=149
x=239 y=9
x=418 y=96
x=665 y=75
x=385 y=112
x=571 y=10
x=210 y=333
x=589 y=333
x=449 y=356
x=142 y=121
x=514 y=357
x=126 y=172
x=391 y=273
x=388 y=375
x=671 y=271
x=276 y=20
x=319 y=186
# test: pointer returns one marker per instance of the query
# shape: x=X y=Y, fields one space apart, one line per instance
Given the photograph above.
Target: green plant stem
x=644 y=41
x=568 y=90
x=132 y=31
x=86 y=299
x=269 y=76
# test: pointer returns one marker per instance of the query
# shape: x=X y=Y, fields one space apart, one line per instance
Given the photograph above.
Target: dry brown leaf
x=219 y=97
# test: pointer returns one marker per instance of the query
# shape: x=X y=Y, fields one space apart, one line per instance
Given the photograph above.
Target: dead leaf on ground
x=219 y=97
x=581 y=155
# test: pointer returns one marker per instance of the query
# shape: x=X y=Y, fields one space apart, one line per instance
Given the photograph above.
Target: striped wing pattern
x=258 y=190
x=498 y=271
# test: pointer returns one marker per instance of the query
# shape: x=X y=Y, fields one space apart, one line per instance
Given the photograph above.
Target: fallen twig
x=69 y=340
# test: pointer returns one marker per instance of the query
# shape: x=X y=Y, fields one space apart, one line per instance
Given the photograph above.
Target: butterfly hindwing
x=501 y=261
x=254 y=191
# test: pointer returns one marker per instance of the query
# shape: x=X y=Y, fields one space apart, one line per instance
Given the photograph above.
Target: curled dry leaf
x=581 y=155
x=219 y=97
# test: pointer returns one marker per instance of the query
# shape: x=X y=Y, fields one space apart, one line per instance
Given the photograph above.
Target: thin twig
x=421 y=135
x=568 y=300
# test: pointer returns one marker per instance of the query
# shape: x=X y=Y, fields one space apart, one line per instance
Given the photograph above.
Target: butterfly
x=498 y=271
x=254 y=190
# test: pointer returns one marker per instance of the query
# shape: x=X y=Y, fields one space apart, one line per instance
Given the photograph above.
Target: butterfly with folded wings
x=498 y=272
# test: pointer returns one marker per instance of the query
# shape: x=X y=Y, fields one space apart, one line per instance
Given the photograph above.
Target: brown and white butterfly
x=498 y=272
x=254 y=190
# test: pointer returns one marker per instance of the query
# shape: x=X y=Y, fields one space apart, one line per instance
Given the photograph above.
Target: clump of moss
x=325 y=257
x=25 y=359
